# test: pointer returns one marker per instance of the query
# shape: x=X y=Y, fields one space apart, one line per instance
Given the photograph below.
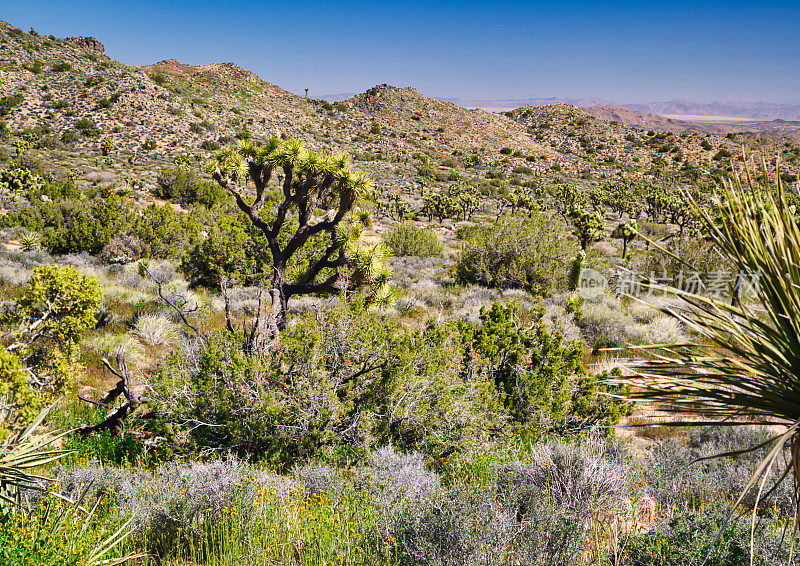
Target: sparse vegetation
x=264 y=354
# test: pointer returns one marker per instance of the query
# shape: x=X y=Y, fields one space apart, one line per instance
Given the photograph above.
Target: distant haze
x=697 y=111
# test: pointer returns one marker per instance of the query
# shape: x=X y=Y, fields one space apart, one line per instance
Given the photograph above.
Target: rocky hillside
x=647 y=121
x=591 y=143
x=70 y=97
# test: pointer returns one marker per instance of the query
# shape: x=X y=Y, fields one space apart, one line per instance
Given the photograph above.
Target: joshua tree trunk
x=266 y=335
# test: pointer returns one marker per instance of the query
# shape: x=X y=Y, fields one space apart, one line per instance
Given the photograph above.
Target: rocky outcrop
x=88 y=43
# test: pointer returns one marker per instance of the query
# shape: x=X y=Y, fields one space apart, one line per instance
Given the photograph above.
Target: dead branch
x=115 y=421
x=181 y=312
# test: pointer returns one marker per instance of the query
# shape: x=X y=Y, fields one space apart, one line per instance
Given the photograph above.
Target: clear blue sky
x=629 y=51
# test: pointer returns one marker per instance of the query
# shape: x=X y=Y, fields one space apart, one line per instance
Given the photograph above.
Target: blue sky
x=621 y=51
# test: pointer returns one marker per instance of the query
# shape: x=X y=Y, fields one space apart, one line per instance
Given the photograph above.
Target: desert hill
x=69 y=96
x=649 y=121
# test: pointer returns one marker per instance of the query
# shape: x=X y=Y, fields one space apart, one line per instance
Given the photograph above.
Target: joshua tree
x=106 y=146
x=588 y=226
x=307 y=182
x=626 y=231
x=306 y=89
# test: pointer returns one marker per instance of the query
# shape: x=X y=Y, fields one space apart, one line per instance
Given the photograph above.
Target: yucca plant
x=20 y=455
x=30 y=242
x=309 y=183
x=746 y=366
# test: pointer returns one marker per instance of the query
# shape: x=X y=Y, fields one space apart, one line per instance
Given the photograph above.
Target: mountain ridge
x=70 y=97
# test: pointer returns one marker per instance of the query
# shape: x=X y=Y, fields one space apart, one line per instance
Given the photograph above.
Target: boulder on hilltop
x=88 y=43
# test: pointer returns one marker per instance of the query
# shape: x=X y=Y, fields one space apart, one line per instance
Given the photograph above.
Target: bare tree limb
x=181 y=312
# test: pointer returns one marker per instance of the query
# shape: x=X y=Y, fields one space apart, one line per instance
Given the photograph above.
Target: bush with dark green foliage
x=164 y=232
x=409 y=240
x=347 y=381
x=87 y=226
x=722 y=154
x=523 y=253
x=87 y=128
x=232 y=248
x=351 y=379
x=69 y=137
x=175 y=183
x=8 y=103
x=181 y=184
x=539 y=377
x=94 y=80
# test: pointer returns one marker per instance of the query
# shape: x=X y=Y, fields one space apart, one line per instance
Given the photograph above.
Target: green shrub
x=20 y=402
x=87 y=226
x=408 y=240
x=94 y=80
x=722 y=154
x=163 y=232
x=206 y=193
x=340 y=382
x=46 y=322
x=233 y=247
x=61 y=67
x=524 y=253
x=69 y=137
x=180 y=184
x=176 y=183
x=36 y=67
x=8 y=103
x=538 y=375
x=87 y=128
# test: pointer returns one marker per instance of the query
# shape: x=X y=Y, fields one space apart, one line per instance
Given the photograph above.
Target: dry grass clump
x=125 y=294
x=12 y=274
x=107 y=345
x=607 y=322
x=406 y=271
x=156 y=329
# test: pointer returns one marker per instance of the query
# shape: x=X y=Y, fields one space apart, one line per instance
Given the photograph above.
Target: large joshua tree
x=319 y=191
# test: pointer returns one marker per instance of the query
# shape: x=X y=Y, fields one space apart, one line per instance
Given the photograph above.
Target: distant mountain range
x=743 y=110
